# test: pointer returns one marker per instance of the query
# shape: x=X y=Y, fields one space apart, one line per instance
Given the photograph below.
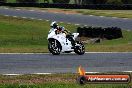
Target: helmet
x=53 y=24
x=62 y=28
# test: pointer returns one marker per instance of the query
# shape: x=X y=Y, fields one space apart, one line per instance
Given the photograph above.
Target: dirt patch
x=87 y=40
x=51 y=10
x=37 y=79
x=63 y=11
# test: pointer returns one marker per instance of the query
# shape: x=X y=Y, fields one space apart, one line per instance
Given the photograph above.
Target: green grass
x=25 y=35
x=63 y=85
x=50 y=81
x=122 y=44
x=107 y=13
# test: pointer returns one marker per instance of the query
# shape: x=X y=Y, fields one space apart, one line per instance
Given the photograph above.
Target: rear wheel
x=79 y=48
x=54 y=47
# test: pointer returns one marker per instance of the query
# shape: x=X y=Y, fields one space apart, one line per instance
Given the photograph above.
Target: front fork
x=55 y=44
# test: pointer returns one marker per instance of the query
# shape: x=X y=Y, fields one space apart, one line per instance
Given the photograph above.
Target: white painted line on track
x=42 y=73
x=18 y=9
x=31 y=10
x=79 y=14
x=31 y=73
x=43 y=11
x=15 y=16
x=12 y=74
x=128 y=30
x=90 y=15
x=101 y=16
x=56 y=73
x=71 y=53
x=61 y=22
x=125 y=18
x=114 y=17
x=40 y=19
x=129 y=42
x=6 y=8
x=24 y=53
x=47 y=20
x=67 y=13
x=24 y=17
x=127 y=71
x=77 y=24
x=32 y=18
x=56 y=12
x=92 y=72
x=6 y=15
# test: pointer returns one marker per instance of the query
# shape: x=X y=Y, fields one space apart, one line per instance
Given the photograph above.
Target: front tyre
x=79 y=48
x=54 y=47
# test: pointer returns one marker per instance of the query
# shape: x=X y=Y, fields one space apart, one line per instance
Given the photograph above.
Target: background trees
x=2 y=1
x=127 y=1
x=61 y=1
x=103 y=1
x=114 y=2
x=79 y=2
x=27 y=1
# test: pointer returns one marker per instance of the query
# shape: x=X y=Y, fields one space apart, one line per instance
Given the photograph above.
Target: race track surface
x=70 y=18
x=47 y=63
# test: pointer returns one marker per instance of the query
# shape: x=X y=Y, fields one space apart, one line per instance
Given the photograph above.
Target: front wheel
x=54 y=47
x=79 y=48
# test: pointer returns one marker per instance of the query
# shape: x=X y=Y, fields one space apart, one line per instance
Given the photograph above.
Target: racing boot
x=70 y=38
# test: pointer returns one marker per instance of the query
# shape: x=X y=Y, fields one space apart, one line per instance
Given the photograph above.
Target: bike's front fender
x=75 y=35
x=65 y=43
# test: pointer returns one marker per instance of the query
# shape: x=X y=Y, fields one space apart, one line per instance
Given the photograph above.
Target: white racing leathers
x=59 y=43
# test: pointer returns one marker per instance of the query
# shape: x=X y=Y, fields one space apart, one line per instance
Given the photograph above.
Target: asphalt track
x=47 y=63
x=123 y=23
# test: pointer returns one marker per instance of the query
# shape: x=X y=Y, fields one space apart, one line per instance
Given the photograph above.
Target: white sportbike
x=58 y=43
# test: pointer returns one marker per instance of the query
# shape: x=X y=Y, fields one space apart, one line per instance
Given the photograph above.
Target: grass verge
x=107 y=13
x=50 y=81
x=19 y=35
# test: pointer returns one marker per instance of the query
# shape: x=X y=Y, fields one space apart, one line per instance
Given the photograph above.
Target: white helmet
x=53 y=24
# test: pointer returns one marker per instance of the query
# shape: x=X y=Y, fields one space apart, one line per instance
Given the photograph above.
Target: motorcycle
x=59 y=43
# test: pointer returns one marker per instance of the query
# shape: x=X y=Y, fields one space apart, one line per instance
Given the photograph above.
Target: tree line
x=80 y=2
x=83 y=2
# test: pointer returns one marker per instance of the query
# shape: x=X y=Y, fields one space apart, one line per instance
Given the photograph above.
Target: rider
x=59 y=29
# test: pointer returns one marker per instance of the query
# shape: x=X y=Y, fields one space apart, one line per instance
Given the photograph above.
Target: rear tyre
x=79 y=48
x=54 y=47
